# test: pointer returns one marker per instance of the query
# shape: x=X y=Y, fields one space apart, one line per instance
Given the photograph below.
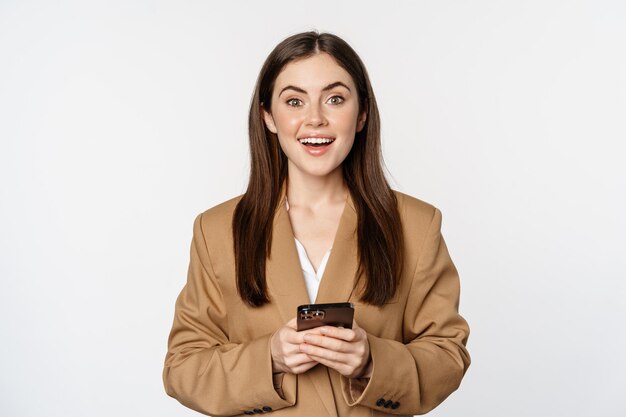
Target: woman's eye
x=335 y=100
x=294 y=102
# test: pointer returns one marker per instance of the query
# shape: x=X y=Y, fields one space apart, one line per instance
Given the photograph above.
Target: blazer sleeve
x=415 y=376
x=203 y=369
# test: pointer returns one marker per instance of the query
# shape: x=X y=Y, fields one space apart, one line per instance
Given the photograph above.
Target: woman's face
x=315 y=100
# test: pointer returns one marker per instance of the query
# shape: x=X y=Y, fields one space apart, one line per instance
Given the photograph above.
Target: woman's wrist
x=367 y=369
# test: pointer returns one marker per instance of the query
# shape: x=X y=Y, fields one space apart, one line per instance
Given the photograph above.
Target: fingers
x=297 y=363
x=325 y=342
x=343 y=368
x=348 y=365
x=285 y=351
x=345 y=350
x=292 y=336
x=304 y=367
x=349 y=335
x=297 y=359
x=333 y=349
x=294 y=361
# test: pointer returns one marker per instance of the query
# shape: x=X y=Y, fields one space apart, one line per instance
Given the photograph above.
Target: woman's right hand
x=285 y=349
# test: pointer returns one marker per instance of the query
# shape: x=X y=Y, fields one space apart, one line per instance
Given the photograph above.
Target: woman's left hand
x=345 y=350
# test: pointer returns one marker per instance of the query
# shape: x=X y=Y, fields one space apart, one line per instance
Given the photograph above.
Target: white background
x=122 y=120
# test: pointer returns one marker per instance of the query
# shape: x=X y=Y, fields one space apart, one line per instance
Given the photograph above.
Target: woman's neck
x=312 y=192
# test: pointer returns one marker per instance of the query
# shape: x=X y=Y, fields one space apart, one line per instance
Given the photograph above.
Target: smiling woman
x=318 y=223
x=315 y=116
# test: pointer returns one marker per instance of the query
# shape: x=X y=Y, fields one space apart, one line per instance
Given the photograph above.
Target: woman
x=317 y=204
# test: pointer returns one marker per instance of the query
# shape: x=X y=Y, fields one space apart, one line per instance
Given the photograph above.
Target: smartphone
x=334 y=314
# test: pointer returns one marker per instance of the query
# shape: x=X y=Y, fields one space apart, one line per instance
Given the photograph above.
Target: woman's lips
x=317 y=149
x=316 y=144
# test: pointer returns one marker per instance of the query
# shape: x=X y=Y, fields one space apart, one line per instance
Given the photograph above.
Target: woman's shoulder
x=219 y=215
x=413 y=206
x=223 y=208
x=417 y=216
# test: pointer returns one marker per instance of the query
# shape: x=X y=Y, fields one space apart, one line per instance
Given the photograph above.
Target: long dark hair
x=380 y=239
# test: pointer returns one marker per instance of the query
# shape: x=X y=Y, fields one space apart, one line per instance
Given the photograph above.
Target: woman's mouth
x=316 y=146
x=316 y=142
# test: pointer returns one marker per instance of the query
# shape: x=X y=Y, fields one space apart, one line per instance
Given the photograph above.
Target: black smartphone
x=334 y=314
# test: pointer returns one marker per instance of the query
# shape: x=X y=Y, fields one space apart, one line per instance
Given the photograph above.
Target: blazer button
x=388 y=403
x=258 y=411
x=380 y=402
x=267 y=409
x=395 y=405
x=248 y=413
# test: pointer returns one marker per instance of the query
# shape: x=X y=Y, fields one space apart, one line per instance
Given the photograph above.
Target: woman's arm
x=416 y=376
x=203 y=370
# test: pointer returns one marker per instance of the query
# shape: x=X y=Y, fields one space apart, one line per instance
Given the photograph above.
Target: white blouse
x=311 y=277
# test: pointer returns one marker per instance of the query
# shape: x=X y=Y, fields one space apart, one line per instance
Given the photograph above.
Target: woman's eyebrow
x=328 y=87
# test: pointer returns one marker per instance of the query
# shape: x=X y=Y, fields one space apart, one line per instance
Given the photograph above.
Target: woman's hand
x=285 y=347
x=345 y=350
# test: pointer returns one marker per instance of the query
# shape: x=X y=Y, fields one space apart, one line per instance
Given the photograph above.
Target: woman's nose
x=315 y=116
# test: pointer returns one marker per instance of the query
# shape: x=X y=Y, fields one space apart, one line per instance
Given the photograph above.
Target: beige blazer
x=219 y=362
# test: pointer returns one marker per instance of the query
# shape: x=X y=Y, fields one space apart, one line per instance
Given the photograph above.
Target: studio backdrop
x=120 y=121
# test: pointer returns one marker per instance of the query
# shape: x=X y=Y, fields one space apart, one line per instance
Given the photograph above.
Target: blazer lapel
x=339 y=276
x=283 y=270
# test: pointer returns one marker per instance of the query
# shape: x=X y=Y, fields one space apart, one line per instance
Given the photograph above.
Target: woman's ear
x=269 y=120
x=360 y=123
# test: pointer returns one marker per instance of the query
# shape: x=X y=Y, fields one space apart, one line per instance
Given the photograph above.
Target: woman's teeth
x=315 y=141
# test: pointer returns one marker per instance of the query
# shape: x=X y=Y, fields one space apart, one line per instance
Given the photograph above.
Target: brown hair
x=379 y=230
